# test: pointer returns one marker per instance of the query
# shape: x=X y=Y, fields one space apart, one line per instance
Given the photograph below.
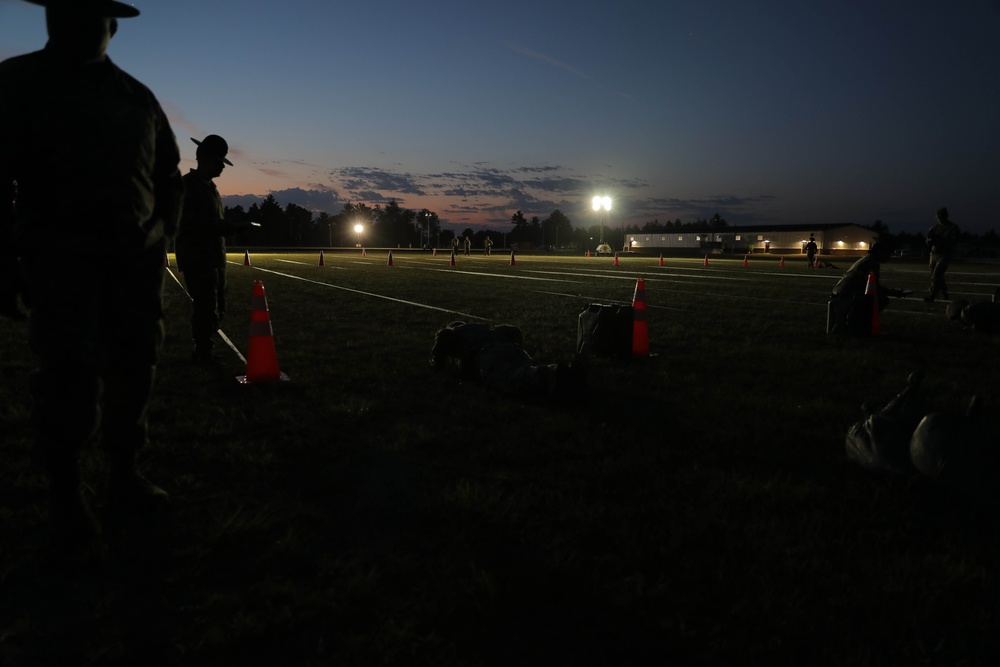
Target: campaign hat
x=110 y=8
x=213 y=146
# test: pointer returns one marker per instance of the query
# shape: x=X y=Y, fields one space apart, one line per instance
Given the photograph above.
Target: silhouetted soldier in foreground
x=70 y=119
x=495 y=356
x=941 y=239
x=850 y=310
x=201 y=245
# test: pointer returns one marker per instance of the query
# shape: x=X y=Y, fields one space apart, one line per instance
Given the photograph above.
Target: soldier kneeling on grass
x=982 y=316
x=495 y=355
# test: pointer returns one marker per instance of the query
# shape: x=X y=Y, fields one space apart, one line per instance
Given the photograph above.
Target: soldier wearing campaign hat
x=71 y=119
x=201 y=245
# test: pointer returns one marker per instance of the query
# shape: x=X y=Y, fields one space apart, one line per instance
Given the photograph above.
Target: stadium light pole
x=358 y=229
x=601 y=203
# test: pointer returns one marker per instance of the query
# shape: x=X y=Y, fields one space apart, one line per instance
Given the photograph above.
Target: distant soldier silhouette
x=941 y=239
x=71 y=119
x=201 y=245
x=811 y=251
x=488 y=245
x=468 y=246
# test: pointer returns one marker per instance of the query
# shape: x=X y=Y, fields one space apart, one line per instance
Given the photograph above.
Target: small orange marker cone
x=661 y=259
x=588 y=253
x=512 y=258
x=782 y=263
x=816 y=265
x=616 y=260
x=321 y=258
x=389 y=262
x=452 y=261
x=246 y=258
x=871 y=289
x=262 y=360
x=745 y=261
x=706 y=260
x=640 y=323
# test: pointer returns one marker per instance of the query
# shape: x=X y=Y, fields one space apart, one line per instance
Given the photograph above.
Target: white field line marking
x=501 y=275
x=372 y=294
x=221 y=333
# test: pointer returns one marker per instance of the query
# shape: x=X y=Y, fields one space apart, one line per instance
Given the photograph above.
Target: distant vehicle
x=904 y=252
x=604 y=249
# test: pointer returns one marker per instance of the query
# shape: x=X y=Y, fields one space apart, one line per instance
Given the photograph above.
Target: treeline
x=394 y=226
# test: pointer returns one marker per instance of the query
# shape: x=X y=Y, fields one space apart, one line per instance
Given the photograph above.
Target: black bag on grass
x=605 y=330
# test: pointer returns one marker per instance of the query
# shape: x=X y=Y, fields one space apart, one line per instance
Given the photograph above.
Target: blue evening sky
x=765 y=112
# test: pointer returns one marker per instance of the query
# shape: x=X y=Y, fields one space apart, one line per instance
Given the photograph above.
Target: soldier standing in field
x=488 y=245
x=811 y=251
x=941 y=239
x=70 y=118
x=201 y=245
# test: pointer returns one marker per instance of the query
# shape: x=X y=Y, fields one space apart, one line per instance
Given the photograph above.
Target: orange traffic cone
x=816 y=265
x=246 y=258
x=389 y=262
x=321 y=258
x=616 y=260
x=452 y=261
x=588 y=253
x=661 y=259
x=706 y=260
x=262 y=360
x=745 y=261
x=640 y=325
x=435 y=253
x=871 y=289
x=512 y=258
x=782 y=263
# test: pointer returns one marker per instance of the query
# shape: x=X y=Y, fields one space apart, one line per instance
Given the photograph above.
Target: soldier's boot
x=71 y=521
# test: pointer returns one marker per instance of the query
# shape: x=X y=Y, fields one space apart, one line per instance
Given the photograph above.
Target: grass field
x=697 y=508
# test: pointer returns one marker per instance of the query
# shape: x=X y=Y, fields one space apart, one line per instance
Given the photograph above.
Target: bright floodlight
x=602 y=202
x=358 y=228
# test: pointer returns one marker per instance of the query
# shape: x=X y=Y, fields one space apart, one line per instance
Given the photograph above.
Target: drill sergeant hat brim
x=109 y=8
x=214 y=146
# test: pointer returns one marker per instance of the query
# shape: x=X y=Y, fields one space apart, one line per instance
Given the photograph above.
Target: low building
x=832 y=239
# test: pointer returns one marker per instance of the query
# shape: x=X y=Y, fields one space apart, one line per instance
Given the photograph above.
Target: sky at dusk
x=764 y=112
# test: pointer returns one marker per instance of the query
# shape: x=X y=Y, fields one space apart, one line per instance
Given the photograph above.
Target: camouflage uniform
x=495 y=356
x=96 y=168
x=941 y=240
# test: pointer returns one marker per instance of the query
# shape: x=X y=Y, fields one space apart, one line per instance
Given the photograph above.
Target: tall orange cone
x=706 y=260
x=782 y=263
x=640 y=325
x=262 y=360
x=816 y=265
x=871 y=289
x=661 y=259
x=435 y=253
x=246 y=258
x=321 y=258
x=616 y=260
x=512 y=258
x=588 y=253
x=745 y=261
x=389 y=262
x=451 y=262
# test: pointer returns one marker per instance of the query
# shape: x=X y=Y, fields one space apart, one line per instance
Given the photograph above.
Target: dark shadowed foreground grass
x=696 y=508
